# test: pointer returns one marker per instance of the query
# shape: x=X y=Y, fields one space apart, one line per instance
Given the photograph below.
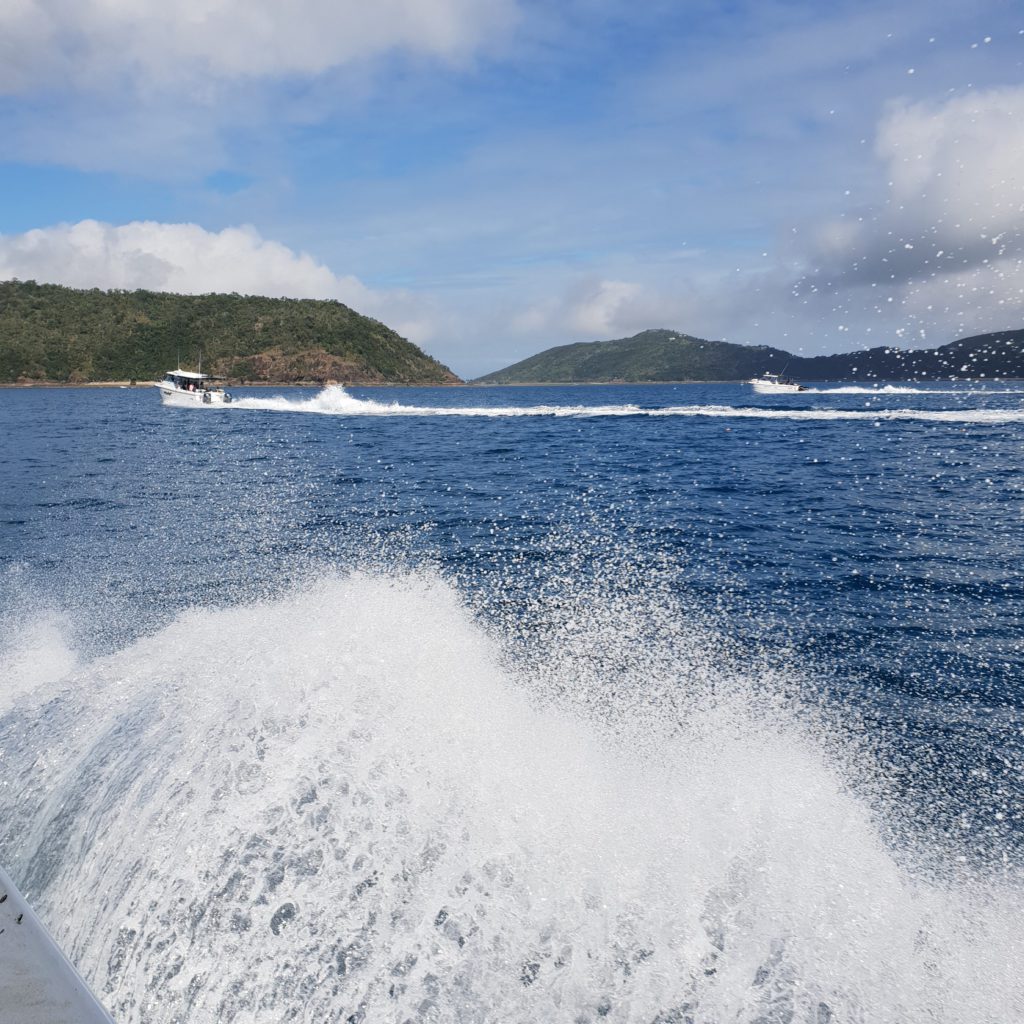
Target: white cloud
x=593 y=307
x=91 y=44
x=171 y=88
x=600 y=307
x=955 y=196
x=957 y=165
x=187 y=259
x=943 y=255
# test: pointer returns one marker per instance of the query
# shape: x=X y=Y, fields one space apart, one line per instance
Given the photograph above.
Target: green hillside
x=52 y=334
x=662 y=355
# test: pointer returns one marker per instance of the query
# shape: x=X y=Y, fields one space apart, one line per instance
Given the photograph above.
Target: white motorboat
x=184 y=387
x=774 y=384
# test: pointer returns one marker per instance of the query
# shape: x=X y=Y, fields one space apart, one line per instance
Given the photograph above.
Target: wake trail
x=335 y=401
x=896 y=389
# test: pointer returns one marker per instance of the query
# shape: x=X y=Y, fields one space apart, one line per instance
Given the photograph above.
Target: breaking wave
x=358 y=803
x=336 y=401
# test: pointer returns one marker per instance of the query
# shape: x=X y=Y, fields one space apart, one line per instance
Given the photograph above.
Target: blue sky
x=493 y=178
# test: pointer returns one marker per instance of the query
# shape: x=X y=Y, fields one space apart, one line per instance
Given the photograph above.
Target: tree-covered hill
x=662 y=355
x=649 y=356
x=53 y=334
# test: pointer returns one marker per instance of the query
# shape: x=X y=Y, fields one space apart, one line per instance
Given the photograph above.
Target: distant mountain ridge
x=663 y=355
x=53 y=334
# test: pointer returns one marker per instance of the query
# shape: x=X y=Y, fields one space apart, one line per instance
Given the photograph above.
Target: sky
x=495 y=177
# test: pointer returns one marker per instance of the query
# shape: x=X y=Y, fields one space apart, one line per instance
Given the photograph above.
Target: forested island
x=53 y=334
x=663 y=355
x=50 y=334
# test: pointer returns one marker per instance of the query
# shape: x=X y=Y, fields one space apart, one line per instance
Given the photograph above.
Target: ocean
x=650 y=704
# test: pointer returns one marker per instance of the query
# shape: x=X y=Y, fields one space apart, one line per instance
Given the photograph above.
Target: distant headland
x=50 y=334
x=663 y=355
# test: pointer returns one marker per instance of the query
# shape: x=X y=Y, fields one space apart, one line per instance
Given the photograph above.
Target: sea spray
x=38 y=655
x=349 y=803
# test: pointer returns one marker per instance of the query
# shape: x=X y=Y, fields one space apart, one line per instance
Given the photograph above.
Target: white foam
x=335 y=401
x=350 y=802
x=37 y=656
x=863 y=415
x=900 y=389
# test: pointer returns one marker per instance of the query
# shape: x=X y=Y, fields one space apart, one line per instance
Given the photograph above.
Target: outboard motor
x=207 y=398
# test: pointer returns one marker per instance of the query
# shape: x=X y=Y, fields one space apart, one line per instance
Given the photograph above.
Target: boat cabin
x=187 y=380
x=186 y=387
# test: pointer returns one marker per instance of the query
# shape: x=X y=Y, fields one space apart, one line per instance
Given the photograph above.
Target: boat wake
x=335 y=401
x=352 y=803
x=901 y=389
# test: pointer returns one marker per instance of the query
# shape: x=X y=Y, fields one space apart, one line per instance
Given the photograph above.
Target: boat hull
x=38 y=985
x=766 y=388
x=191 y=399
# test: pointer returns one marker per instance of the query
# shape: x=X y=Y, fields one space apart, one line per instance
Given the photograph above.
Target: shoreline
x=139 y=384
x=128 y=385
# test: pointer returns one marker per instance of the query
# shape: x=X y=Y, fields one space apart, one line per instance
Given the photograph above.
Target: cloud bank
x=187 y=259
x=174 y=90
x=91 y=45
x=947 y=245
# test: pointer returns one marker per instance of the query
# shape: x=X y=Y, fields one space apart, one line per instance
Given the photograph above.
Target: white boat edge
x=38 y=984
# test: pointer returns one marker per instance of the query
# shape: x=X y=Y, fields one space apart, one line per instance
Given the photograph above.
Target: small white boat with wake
x=774 y=384
x=184 y=387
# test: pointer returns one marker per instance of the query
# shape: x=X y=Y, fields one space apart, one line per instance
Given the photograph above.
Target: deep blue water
x=888 y=547
x=864 y=549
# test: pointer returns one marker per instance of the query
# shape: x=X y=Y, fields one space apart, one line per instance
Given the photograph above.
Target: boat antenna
x=200 y=361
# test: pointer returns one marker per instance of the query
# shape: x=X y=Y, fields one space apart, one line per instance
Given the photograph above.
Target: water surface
x=629 y=703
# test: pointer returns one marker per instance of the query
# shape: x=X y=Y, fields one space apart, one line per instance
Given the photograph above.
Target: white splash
x=37 y=657
x=335 y=401
x=350 y=805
